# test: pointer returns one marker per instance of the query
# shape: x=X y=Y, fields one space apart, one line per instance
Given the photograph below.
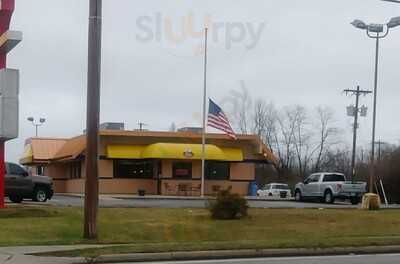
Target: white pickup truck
x=328 y=186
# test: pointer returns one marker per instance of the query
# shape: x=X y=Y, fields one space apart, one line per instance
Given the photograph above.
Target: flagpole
x=203 y=146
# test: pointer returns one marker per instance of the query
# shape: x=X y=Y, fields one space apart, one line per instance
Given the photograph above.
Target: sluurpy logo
x=162 y=28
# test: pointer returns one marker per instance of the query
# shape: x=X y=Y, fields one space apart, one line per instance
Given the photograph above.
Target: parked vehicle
x=20 y=184
x=328 y=186
x=278 y=190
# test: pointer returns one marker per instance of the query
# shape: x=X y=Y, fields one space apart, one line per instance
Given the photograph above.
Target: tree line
x=307 y=140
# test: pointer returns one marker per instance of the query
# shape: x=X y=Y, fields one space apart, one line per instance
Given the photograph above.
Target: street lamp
x=377 y=32
x=36 y=125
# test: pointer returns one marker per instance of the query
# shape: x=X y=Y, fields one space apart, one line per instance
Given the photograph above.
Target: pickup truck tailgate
x=349 y=187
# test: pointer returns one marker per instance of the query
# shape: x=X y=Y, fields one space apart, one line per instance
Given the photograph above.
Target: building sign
x=188 y=153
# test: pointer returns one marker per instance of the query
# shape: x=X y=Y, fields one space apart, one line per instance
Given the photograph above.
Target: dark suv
x=20 y=184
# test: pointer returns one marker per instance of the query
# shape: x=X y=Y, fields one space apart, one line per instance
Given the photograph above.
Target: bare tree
x=389 y=170
x=302 y=138
x=288 y=132
x=287 y=126
x=326 y=135
x=271 y=130
x=338 y=159
x=265 y=120
x=259 y=118
x=240 y=103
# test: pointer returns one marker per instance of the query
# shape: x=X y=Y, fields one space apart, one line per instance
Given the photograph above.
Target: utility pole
x=93 y=120
x=141 y=125
x=362 y=155
x=379 y=143
x=355 y=112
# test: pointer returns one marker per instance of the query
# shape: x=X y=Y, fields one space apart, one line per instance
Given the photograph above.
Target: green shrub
x=228 y=206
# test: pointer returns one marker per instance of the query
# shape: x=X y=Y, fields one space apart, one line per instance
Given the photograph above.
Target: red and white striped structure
x=8 y=40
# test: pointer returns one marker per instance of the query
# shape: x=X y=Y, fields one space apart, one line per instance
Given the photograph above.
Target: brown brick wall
x=241 y=174
x=106 y=168
x=243 y=171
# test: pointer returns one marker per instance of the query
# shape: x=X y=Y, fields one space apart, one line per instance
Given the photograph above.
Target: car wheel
x=15 y=198
x=354 y=200
x=297 y=196
x=328 y=197
x=270 y=194
x=40 y=195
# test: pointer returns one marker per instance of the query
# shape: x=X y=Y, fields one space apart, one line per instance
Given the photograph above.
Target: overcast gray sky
x=306 y=54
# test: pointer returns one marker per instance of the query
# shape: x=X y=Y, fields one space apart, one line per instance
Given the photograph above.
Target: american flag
x=217 y=119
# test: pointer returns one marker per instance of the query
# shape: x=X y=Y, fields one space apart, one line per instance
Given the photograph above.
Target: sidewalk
x=250 y=253
x=18 y=255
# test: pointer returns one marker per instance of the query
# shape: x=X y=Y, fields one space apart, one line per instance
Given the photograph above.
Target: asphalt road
x=61 y=200
x=351 y=259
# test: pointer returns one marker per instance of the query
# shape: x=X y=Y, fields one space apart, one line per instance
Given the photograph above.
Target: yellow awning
x=173 y=151
x=27 y=157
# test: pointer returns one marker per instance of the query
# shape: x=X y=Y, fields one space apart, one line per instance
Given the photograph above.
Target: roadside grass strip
x=139 y=230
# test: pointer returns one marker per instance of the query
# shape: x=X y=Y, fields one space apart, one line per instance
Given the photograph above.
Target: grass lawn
x=154 y=230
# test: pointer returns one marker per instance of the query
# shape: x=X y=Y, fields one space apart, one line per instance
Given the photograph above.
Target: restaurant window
x=182 y=170
x=217 y=170
x=75 y=170
x=133 y=169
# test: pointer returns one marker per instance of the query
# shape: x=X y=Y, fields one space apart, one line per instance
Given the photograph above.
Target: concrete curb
x=198 y=198
x=232 y=254
x=176 y=198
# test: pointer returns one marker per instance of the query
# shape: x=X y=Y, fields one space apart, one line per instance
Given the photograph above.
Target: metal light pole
x=36 y=125
x=377 y=32
x=93 y=120
x=204 y=131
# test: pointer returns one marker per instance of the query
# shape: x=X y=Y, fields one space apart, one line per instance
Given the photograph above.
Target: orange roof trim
x=71 y=149
x=51 y=149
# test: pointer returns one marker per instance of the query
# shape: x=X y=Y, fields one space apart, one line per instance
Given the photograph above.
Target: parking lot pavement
x=154 y=202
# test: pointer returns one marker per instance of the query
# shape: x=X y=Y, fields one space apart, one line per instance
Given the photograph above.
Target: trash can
x=141 y=192
x=253 y=188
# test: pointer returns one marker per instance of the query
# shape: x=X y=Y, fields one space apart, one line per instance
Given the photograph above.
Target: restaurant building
x=158 y=163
